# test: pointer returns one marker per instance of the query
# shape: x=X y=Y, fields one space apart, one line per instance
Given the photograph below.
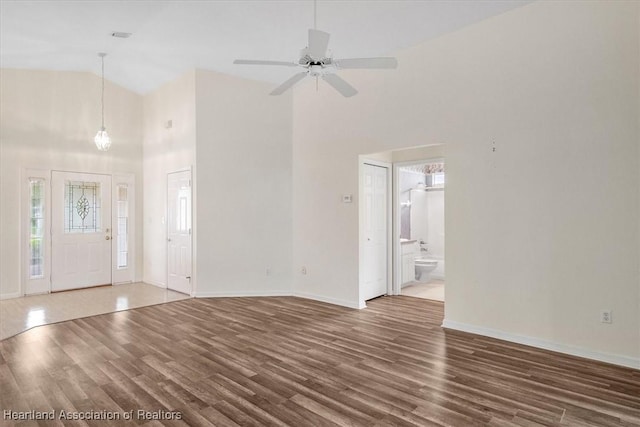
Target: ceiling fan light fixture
x=318 y=62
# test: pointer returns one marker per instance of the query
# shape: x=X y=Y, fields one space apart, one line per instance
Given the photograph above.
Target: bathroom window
x=437 y=179
x=36 y=237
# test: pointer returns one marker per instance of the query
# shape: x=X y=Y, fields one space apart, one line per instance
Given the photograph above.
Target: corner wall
x=244 y=187
x=166 y=149
x=553 y=86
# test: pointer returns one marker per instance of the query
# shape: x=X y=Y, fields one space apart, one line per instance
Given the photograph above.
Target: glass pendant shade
x=102 y=140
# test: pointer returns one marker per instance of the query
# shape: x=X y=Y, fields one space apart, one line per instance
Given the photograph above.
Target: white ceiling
x=171 y=37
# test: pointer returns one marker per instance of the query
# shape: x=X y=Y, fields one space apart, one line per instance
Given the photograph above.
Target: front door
x=375 y=232
x=80 y=230
x=179 y=231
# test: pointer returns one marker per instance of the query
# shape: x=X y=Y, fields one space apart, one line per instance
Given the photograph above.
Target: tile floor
x=20 y=314
x=433 y=290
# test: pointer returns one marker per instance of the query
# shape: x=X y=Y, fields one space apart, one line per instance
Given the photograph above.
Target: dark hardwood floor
x=291 y=361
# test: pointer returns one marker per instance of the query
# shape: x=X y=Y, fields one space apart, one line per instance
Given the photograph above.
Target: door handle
x=168 y=239
x=107 y=238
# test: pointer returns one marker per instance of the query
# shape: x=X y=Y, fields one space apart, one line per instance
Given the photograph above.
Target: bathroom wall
x=408 y=180
x=426 y=217
x=435 y=230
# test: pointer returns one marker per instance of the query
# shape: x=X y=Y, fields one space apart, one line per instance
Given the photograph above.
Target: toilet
x=424 y=267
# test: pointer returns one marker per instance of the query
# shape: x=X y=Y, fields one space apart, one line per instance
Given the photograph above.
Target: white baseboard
x=334 y=301
x=281 y=294
x=243 y=294
x=615 y=359
x=10 y=295
x=154 y=283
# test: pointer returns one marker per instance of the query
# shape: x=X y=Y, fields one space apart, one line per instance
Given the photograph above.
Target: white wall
x=166 y=150
x=435 y=231
x=244 y=190
x=48 y=120
x=418 y=153
x=543 y=232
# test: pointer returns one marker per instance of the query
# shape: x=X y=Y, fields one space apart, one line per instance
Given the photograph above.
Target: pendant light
x=102 y=140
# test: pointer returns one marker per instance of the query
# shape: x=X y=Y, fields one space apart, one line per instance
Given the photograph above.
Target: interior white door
x=179 y=231
x=80 y=230
x=375 y=231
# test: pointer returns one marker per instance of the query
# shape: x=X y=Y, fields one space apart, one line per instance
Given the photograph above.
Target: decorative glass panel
x=36 y=238
x=122 y=229
x=82 y=207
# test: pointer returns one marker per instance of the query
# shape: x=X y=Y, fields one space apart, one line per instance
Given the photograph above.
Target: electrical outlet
x=605 y=316
x=304 y=270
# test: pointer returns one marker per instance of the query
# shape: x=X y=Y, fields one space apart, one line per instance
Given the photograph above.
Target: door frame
x=192 y=282
x=361 y=215
x=44 y=285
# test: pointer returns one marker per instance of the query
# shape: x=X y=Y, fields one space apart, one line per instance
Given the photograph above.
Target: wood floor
x=291 y=361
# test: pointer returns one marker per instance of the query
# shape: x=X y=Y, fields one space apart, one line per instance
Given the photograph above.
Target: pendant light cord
x=314 y=13
x=102 y=98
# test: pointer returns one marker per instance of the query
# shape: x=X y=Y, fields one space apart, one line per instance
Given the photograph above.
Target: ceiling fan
x=318 y=63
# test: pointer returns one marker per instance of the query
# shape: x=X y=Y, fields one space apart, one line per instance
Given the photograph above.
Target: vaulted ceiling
x=171 y=37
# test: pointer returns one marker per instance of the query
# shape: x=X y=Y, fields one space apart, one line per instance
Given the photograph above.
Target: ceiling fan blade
x=380 y=63
x=340 y=85
x=289 y=83
x=318 y=43
x=261 y=62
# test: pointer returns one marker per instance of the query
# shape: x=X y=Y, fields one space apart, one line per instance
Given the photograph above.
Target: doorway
x=419 y=224
x=80 y=230
x=179 y=249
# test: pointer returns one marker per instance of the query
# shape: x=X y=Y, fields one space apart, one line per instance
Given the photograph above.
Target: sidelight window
x=122 y=226
x=36 y=237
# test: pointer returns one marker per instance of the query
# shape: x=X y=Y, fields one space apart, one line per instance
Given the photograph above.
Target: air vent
x=121 y=35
